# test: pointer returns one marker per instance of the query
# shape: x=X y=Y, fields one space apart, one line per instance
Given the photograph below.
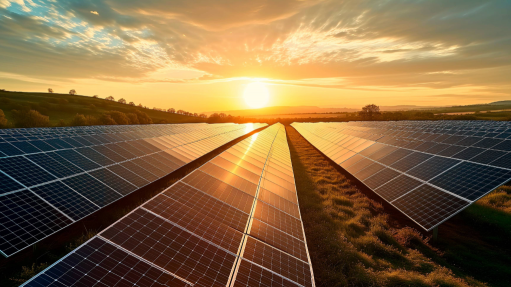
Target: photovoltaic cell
x=470 y=159
x=471 y=180
x=171 y=248
x=92 y=189
x=99 y=263
x=52 y=166
x=7 y=184
x=68 y=201
x=113 y=181
x=25 y=219
x=204 y=228
x=24 y=171
x=429 y=206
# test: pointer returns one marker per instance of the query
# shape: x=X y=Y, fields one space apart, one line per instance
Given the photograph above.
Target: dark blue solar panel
x=95 y=156
x=26 y=147
x=42 y=145
x=112 y=180
x=77 y=159
x=58 y=143
x=24 y=171
x=65 y=199
x=9 y=150
x=57 y=168
x=432 y=167
x=7 y=184
x=470 y=180
x=72 y=142
x=410 y=161
x=92 y=189
x=25 y=219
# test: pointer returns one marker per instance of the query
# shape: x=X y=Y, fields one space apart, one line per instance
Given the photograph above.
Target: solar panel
x=215 y=227
x=68 y=173
x=430 y=170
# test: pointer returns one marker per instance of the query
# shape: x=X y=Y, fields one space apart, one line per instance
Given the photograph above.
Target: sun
x=256 y=95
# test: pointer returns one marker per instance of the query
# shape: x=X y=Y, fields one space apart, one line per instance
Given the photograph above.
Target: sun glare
x=256 y=95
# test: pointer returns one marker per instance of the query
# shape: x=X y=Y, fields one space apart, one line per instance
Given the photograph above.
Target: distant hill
x=405 y=108
x=65 y=107
x=283 y=110
x=500 y=103
x=286 y=110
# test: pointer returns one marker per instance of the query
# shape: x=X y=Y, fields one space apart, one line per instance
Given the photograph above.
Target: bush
x=143 y=118
x=133 y=118
x=81 y=120
x=3 y=120
x=29 y=119
x=106 y=119
x=120 y=118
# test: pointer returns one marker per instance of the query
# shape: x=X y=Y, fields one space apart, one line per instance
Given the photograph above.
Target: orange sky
x=200 y=55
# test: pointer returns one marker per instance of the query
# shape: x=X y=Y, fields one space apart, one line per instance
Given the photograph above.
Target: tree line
x=123 y=101
x=28 y=118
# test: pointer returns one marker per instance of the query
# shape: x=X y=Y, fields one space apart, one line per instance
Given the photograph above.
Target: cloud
x=363 y=44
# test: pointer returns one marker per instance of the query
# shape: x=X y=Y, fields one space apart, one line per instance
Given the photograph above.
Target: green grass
x=356 y=239
x=48 y=104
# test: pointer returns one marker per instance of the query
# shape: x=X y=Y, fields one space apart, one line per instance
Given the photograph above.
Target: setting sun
x=256 y=95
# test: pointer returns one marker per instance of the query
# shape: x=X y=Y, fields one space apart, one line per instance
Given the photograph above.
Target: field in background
x=65 y=107
x=302 y=116
x=357 y=239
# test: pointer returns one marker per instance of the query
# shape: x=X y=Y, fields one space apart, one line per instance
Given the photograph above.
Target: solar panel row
x=69 y=173
x=225 y=224
x=429 y=170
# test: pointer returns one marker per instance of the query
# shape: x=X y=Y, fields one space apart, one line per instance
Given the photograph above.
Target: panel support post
x=435 y=233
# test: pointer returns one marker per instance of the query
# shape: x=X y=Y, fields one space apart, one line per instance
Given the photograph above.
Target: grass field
x=65 y=107
x=357 y=239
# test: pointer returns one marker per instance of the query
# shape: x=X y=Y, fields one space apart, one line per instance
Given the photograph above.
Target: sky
x=200 y=55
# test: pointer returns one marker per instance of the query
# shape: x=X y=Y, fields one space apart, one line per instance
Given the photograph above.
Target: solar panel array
x=429 y=170
x=52 y=177
x=234 y=221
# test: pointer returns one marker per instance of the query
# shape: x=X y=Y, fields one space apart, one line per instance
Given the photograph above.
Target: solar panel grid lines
x=466 y=172
x=182 y=210
x=105 y=182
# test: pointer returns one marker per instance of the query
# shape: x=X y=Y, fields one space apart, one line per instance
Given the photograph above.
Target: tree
x=132 y=104
x=3 y=120
x=195 y=114
x=122 y=101
x=369 y=112
x=203 y=116
x=120 y=118
x=72 y=92
x=171 y=110
x=95 y=96
x=140 y=105
x=29 y=119
x=106 y=119
x=110 y=98
x=143 y=118
x=180 y=112
x=50 y=90
x=133 y=118
x=81 y=120
x=222 y=115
